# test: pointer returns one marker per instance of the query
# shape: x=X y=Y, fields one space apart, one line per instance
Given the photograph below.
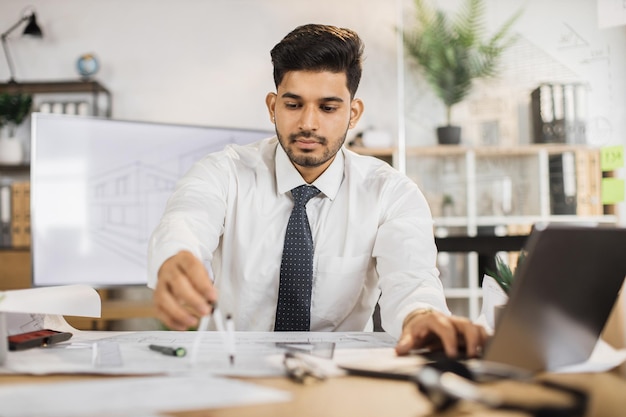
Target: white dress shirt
x=371 y=226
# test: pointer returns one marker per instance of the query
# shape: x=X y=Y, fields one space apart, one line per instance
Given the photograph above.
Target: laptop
x=562 y=295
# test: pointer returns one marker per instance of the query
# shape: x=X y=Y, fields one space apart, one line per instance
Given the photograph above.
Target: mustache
x=306 y=134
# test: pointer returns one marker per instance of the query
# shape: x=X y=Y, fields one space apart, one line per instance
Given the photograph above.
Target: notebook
x=562 y=295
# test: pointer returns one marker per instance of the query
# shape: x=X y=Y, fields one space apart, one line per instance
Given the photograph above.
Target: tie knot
x=303 y=193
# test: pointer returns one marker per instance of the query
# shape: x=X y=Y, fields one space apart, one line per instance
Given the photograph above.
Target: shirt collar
x=288 y=177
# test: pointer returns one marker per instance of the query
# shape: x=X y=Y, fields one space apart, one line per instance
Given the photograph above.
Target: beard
x=307 y=158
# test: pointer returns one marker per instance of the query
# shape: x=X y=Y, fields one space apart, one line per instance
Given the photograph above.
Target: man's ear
x=270 y=102
x=356 y=110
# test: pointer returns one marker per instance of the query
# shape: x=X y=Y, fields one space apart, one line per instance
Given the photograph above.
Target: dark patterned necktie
x=293 y=312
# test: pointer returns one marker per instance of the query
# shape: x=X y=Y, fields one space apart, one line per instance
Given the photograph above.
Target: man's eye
x=291 y=105
x=329 y=109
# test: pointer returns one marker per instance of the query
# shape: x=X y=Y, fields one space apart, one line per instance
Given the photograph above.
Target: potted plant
x=503 y=275
x=452 y=53
x=14 y=108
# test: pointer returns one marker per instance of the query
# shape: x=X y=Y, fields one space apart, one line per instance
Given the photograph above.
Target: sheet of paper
x=103 y=397
x=253 y=352
x=27 y=322
x=603 y=358
x=379 y=360
x=69 y=300
x=493 y=295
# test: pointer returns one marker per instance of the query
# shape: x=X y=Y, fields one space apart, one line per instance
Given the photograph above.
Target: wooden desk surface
x=365 y=397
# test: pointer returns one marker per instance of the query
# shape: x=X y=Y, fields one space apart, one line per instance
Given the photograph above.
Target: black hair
x=315 y=47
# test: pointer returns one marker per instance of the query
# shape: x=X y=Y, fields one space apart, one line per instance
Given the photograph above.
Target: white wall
x=197 y=62
x=207 y=61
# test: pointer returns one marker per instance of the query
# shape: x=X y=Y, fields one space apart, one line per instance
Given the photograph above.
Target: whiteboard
x=98 y=190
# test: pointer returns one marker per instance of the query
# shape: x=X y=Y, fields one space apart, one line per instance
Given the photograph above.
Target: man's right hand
x=184 y=291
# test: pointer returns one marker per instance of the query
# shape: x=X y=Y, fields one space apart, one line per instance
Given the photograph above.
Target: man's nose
x=309 y=119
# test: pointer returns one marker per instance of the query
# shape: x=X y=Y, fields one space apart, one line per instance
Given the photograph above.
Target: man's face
x=312 y=112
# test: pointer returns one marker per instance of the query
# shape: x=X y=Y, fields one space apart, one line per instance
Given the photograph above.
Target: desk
x=113 y=310
x=365 y=397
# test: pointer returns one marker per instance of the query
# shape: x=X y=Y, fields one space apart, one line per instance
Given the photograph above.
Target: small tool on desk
x=170 y=351
x=230 y=338
x=301 y=370
x=37 y=338
x=228 y=333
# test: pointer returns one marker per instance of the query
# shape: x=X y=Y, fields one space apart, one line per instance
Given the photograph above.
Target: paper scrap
x=612 y=190
x=102 y=397
x=603 y=358
x=493 y=295
x=611 y=157
x=70 y=300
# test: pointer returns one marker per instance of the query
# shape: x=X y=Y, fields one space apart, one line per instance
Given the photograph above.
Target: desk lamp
x=31 y=29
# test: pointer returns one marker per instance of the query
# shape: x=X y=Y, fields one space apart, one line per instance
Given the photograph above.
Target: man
x=371 y=229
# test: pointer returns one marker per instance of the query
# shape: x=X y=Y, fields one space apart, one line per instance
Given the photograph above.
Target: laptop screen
x=561 y=297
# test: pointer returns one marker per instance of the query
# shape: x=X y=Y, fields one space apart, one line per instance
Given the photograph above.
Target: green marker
x=170 y=351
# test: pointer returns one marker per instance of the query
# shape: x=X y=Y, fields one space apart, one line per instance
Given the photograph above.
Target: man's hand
x=183 y=292
x=435 y=330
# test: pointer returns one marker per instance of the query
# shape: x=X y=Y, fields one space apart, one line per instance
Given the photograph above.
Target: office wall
x=198 y=62
x=207 y=61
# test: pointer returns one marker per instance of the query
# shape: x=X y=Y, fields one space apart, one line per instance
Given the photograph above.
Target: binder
x=562 y=181
x=26 y=218
x=588 y=182
x=559 y=113
x=583 y=184
x=5 y=215
x=20 y=221
x=16 y=214
x=595 y=183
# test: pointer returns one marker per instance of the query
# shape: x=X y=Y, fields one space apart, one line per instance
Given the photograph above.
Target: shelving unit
x=492 y=191
x=15 y=270
x=99 y=96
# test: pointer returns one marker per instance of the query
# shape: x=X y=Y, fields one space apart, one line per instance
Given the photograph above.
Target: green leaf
x=14 y=108
x=503 y=274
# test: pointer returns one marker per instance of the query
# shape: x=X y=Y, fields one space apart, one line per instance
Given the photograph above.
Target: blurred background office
x=206 y=62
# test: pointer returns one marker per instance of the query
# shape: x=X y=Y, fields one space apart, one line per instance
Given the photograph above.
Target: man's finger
x=170 y=311
x=420 y=330
x=177 y=274
x=197 y=274
x=475 y=338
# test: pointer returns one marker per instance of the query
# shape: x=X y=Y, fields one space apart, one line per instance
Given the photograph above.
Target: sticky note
x=611 y=157
x=612 y=190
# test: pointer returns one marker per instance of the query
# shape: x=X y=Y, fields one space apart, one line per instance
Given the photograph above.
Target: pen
x=170 y=351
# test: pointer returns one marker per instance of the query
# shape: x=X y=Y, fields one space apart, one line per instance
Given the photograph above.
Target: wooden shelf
x=379 y=152
x=114 y=310
x=15 y=269
x=494 y=151
x=47 y=87
x=22 y=167
x=63 y=87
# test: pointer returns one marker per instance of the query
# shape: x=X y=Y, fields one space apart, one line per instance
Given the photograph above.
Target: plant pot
x=11 y=151
x=449 y=135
